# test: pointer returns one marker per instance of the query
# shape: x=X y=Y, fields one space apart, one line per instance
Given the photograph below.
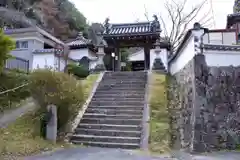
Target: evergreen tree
x=236 y=7
x=6 y=45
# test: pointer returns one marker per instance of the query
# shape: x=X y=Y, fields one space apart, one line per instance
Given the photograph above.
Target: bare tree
x=180 y=20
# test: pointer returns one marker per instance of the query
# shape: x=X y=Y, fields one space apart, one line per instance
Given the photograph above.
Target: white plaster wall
x=91 y=54
x=42 y=60
x=139 y=56
x=163 y=55
x=62 y=64
x=185 y=55
x=38 y=44
x=72 y=62
x=227 y=38
x=216 y=38
x=78 y=53
x=222 y=58
x=25 y=53
x=92 y=64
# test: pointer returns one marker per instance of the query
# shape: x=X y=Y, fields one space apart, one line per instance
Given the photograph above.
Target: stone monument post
x=51 y=129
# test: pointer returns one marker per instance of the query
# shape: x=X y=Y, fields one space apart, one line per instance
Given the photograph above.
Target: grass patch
x=159 y=124
x=20 y=139
x=88 y=84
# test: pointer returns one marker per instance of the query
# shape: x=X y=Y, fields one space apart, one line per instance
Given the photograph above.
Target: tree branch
x=146 y=13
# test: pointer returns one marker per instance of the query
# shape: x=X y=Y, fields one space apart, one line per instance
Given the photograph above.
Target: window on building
x=17 y=44
x=24 y=44
x=21 y=44
x=238 y=37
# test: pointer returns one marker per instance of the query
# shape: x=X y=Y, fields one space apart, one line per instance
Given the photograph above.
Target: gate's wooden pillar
x=117 y=59
x=146 y=57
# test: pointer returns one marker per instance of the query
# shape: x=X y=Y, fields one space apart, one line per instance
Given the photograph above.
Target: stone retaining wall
x=180 y=96
x=206 y=108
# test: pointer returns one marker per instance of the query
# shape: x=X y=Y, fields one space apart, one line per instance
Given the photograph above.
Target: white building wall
x=62 y=64
x=78 y=53
x=222 y=58
x=93 y=61
x=84 y=52
x=139 y=56
x=227 y=38
x=42 y=60
x=35 y=41
x=185 y=55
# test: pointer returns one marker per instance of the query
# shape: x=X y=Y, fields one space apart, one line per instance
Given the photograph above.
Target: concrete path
x=232 y=155
x=92 y=153
x=10 y=116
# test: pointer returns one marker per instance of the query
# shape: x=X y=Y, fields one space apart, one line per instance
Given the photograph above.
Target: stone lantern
x=100 y=63
x=157 y=64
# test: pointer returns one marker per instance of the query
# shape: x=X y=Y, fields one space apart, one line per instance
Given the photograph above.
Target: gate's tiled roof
x=129 y=28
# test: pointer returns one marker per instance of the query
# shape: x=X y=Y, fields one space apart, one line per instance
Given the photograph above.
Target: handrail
x=13 y=89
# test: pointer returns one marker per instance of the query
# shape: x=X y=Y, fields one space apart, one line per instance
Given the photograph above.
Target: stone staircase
x=114 y=116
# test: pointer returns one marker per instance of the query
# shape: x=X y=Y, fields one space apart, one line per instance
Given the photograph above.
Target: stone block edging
x=146 y=115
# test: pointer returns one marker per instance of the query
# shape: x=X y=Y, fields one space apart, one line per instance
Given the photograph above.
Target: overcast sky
x=131 y=10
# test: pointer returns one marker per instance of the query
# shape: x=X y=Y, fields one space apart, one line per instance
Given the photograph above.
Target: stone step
x=118 y=116
x=125 y=77
x=111 y=121
x=103 y=132
x=119 y=92
x=113 y=111
x=123 y=84
x=111 y=139
x=118 y=103
x=127 y=81
x=127 y=95
x=110 y=127
x=117 y=99
x=108 y=145
x=121 y=88
x=117 y=108
x=126 y=73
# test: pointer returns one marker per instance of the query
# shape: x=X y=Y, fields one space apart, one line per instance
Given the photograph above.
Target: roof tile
x=221 y=47
x=129 y=28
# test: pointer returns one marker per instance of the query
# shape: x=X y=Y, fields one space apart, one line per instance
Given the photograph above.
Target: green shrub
x=10 y=80
x=78 y=71
x=58 y=88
